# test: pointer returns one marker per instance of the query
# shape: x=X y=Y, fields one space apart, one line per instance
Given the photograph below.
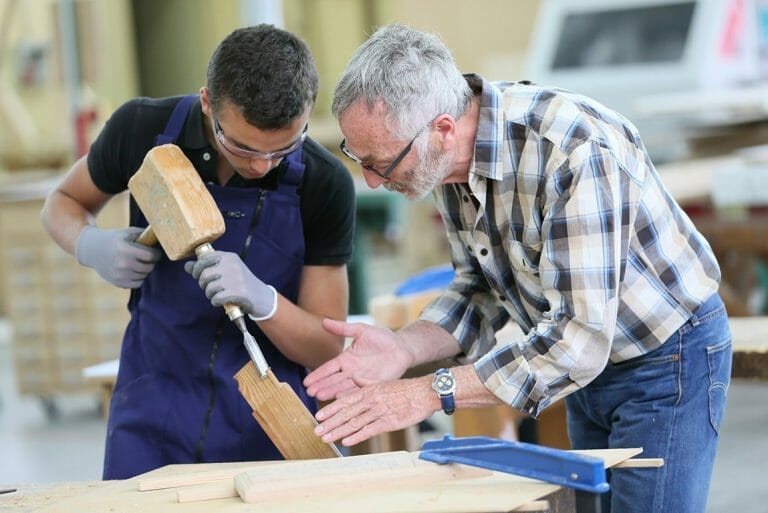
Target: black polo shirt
x=327 y=191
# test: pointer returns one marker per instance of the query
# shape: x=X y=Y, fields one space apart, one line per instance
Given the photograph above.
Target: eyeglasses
x=370 y=168
x=247 y=153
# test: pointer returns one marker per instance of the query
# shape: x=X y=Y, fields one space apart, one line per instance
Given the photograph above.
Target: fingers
x=149 y=255
x=332 y=386
x=375 y=427
x=354 y=418
x=375 y=409
x=197 y=267
x=206 y=279
x=211 y=291
x=132 y=233
x=343 y=328
x=323 y=371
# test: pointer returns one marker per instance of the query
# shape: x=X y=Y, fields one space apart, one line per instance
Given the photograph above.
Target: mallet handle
x=147 y=237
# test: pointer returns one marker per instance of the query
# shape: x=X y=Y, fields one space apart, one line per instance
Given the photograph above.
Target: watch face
x=444 y=384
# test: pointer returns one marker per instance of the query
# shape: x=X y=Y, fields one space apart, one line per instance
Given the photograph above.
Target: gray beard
x=424 y=178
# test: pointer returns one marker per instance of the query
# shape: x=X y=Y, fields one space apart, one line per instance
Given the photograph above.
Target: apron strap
x=294 y=172
x=176 y=121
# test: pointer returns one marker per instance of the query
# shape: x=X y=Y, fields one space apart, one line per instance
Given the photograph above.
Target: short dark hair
x=268 y=73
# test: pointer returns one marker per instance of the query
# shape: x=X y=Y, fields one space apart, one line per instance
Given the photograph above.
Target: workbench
x=488 y=492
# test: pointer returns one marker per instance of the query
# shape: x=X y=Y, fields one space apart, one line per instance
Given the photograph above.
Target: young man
x=558 y=221
x=288 y=206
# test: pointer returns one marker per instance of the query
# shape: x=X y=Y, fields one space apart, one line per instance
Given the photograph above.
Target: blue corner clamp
x=538 y=462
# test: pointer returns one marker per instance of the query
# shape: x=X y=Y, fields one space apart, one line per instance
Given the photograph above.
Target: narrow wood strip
x=182 y=478
x=162 y=483
x=611 y=457
x=640 y=463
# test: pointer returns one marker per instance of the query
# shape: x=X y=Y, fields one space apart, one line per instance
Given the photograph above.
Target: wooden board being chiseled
x=283 y=416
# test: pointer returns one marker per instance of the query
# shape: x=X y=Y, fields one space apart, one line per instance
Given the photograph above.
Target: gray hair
x=411 y=72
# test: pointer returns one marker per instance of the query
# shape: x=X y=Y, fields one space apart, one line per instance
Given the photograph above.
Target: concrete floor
x=38 y=449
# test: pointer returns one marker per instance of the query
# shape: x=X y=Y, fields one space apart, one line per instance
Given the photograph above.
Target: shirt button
x=503 y=298
x=483 y=251
x=465 y=198
x=206 y=156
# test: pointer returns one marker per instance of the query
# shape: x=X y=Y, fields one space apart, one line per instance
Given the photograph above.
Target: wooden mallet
x=185 y=219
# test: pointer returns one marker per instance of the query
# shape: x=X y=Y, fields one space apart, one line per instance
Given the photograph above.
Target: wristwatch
x=445 y=385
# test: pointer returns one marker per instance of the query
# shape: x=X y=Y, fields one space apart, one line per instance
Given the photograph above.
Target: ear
x=205 y=102
x=445 y=126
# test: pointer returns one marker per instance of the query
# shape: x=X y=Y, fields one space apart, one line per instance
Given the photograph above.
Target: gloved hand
x=115 y=256
x=225 y=279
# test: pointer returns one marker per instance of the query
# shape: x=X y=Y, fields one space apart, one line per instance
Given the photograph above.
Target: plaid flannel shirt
x=566 y=229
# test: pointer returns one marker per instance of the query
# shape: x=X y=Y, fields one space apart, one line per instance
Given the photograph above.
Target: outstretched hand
x=375 y=355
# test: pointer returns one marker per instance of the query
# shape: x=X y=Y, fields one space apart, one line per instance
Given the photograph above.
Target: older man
x=558 y=221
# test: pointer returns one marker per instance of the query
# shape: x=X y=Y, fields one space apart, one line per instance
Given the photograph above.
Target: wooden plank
x=265 y=486
x=221 y=484
x=207 y=492
x=283 y=416
x=226 y=487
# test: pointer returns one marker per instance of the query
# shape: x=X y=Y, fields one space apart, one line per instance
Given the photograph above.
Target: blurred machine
x=619 y=51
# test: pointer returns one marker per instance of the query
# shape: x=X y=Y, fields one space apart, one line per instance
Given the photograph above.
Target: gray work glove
x=115 y=256
x=225 y=279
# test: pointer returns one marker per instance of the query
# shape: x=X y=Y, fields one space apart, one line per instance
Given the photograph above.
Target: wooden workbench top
x=494 y=492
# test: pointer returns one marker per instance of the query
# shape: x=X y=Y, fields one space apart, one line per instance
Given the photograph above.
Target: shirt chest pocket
x=524 y=258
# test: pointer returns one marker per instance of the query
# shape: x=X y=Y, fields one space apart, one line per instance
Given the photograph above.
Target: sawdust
x=31 y=496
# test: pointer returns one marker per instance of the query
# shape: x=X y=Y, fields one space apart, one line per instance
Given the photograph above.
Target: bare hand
x=375 y=409
x=375 y=355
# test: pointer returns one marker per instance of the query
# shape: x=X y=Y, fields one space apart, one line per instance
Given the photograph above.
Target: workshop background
x=692 y=74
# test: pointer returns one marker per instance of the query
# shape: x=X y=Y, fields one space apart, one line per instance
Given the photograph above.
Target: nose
x=373 y=180
x=263 y=165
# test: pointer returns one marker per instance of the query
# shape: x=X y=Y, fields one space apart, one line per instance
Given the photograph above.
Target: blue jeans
x=669 y=402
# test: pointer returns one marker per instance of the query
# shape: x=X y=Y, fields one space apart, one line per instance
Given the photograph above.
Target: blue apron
x=175 y=399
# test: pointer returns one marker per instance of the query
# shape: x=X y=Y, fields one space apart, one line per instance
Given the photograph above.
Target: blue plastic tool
x=544 y=463
x=437 y=277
